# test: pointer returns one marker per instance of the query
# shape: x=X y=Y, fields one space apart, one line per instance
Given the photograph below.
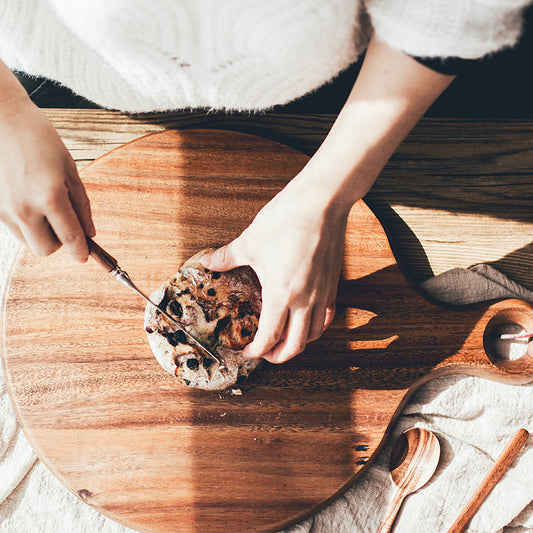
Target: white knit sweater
x=155 y=55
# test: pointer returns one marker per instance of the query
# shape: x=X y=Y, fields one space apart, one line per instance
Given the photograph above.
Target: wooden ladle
x=414 y=459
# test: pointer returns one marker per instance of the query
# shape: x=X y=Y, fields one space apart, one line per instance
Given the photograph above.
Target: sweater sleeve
x=467 y=29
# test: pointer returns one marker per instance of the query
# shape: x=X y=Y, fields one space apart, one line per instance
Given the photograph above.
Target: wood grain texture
x=457 y=192
x=130 y=440
x=414 y=459
x=503 y=462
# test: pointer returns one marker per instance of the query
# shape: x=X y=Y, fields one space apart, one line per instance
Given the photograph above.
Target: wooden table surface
x=456 y=193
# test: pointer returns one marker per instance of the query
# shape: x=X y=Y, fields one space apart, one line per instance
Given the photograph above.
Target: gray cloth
x=476 y=284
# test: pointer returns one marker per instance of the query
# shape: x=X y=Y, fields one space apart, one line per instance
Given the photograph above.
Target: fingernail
x=206 y=260
x=80 y=258
x=92 y=229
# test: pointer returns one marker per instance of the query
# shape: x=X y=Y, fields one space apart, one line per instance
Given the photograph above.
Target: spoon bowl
x=414 y=459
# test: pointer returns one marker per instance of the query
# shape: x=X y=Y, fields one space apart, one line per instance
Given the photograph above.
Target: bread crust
x=220 y=309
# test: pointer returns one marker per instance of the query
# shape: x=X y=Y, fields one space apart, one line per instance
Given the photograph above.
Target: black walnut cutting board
x=128 y=439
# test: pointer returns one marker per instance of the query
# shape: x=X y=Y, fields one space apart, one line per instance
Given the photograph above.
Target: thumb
x=222 y=259
x=330 y=315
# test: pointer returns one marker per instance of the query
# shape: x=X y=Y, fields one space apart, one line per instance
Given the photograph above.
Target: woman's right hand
x=42 y=199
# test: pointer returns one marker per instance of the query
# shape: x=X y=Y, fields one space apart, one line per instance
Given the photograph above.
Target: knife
x=110 y=264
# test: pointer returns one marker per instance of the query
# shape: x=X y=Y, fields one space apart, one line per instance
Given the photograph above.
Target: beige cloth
x=472 y=417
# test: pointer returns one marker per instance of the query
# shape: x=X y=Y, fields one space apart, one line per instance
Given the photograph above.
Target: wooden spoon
x=414 y=459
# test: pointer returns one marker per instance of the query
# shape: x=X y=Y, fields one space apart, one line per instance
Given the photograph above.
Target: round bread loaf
x=219 y=309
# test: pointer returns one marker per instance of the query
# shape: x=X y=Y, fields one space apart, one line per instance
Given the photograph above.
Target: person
x=240 y=55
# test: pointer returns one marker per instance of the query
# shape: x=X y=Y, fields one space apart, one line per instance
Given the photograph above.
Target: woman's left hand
x=296 y=242
x=295 y=246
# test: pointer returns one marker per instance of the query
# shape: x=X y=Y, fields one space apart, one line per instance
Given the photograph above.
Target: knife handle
x=107 y=261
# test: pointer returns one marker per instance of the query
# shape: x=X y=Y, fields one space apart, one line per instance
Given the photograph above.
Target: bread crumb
x=236 y=392
x=224 y=414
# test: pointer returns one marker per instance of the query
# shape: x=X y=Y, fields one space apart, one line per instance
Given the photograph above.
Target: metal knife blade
x=110 y=264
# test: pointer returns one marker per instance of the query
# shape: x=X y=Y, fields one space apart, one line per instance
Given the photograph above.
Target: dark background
x=499 y=86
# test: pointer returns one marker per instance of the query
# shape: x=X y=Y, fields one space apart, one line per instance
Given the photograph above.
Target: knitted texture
x=146 y=55
x=468 y=29
x=139 y=55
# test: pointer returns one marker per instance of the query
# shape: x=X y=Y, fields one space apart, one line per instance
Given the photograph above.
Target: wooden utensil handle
x=502 y=463
x=107 y=261
x=392 y=510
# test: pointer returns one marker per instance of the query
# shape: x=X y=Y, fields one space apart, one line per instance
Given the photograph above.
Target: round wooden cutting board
x=142 y=448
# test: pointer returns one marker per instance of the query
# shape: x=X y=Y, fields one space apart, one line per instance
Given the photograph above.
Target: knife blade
x=110 y=264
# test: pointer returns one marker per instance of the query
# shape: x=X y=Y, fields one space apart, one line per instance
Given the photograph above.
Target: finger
x=223 y=259
x=66 y=225
x=14 y=229
x=322 y=319
x=330 y=315
x=39 y=236
x=318 y=319
x=80 y=202
x=270 y=329
x=298 y=330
